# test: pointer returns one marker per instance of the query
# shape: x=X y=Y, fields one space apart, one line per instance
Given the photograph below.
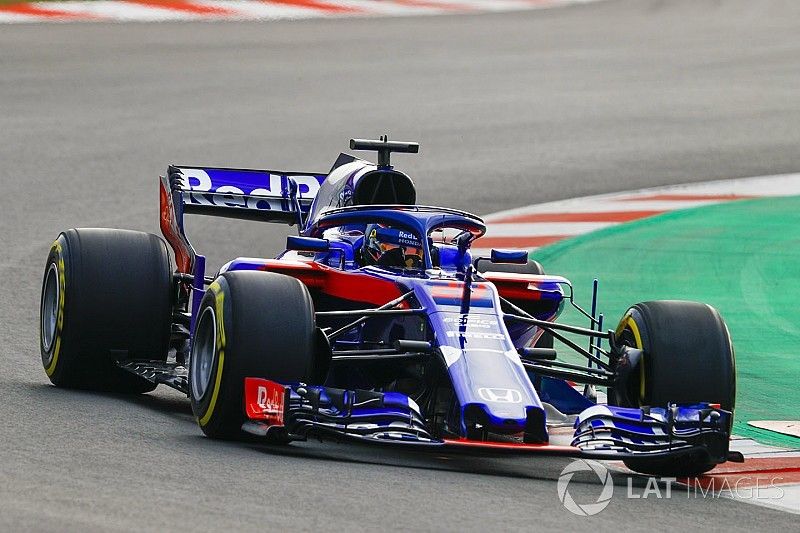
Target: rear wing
x=263 y=195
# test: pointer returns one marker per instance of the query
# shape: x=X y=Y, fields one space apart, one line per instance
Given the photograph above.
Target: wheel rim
x=204 y=351
x=630 y=336
x=49 y=310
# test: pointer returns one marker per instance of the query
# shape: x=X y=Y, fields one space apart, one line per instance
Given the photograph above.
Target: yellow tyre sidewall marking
x=219 y=304
x=628 y=322
x=62 y=288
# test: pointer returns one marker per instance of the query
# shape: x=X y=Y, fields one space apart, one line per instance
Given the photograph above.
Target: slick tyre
x=687 y=358
x=106 y=296
x=250 y=324
x=532 y=267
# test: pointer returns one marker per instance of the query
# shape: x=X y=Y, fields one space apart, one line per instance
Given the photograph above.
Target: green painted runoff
x=741 y=257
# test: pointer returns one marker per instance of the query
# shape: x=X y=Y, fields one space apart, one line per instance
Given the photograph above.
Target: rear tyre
x=532 y=267
x=687 y=358
x=250 y=324
x=106 y=295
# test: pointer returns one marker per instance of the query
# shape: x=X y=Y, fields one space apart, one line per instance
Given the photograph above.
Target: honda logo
x=500 y=395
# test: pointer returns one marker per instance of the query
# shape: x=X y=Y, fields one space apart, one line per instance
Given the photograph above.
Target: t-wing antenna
x=384 y=147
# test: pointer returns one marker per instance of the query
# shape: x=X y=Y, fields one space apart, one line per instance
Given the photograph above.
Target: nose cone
x=489 y=381
x=494 y=390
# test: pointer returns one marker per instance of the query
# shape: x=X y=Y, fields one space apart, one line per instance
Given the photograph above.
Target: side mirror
x=306 y=244
x=515 y=257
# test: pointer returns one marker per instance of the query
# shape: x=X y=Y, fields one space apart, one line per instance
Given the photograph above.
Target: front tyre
x=687 y=358
x=250 y=324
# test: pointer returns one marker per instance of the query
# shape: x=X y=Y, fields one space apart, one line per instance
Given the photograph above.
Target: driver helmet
x=393 y=247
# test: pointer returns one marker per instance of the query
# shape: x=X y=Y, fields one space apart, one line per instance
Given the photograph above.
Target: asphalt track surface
x=510 y=109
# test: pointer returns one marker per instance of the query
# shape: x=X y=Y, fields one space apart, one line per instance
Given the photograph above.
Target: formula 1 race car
x=377 y=324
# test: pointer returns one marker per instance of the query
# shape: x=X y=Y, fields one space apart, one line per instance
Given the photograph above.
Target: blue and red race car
x=377 y=324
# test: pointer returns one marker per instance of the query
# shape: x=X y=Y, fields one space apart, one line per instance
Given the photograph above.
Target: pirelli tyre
x=250 y=324
x=687 y=358
x=106 y=295
x=531 y=267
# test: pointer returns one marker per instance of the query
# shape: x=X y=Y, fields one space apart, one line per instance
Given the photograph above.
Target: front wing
x=297 y=411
